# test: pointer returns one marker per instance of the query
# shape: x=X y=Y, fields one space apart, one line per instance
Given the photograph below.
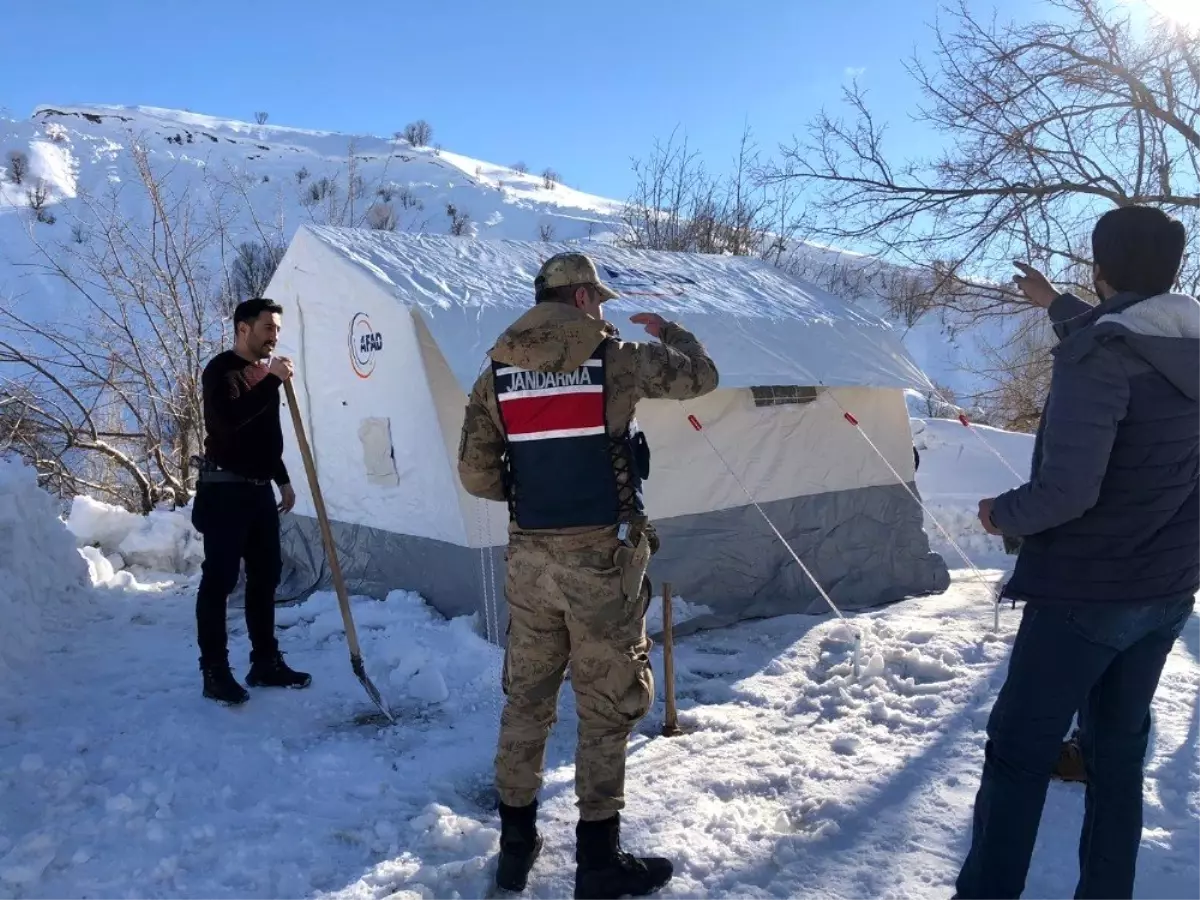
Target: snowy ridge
x=80 y=152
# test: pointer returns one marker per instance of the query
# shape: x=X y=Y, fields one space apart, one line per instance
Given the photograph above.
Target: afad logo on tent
x=364 y=342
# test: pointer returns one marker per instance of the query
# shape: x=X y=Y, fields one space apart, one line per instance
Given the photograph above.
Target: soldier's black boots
x=269 y=670
x=603 y=870
x=220 y=685
x=520 y=845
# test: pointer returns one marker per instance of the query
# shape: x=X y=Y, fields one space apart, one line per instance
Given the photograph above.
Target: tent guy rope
x=695 y=423
x=983 y=580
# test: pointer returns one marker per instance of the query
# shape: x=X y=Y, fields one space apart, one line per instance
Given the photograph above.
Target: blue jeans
x=1105 y=662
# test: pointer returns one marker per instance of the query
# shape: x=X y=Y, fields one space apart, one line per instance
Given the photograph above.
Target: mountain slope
x=260 y=182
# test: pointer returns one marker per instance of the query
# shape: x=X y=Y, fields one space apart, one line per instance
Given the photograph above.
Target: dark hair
x=1138 y=249
x=564 y=293
x=249 y=310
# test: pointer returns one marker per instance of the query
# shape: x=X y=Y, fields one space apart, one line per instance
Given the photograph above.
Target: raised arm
x=678 y=368
x=481 y=447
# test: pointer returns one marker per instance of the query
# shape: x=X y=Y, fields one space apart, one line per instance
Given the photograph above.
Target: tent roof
x=761 y=325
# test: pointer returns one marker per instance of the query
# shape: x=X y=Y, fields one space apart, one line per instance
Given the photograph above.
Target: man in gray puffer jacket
x=1109 y=563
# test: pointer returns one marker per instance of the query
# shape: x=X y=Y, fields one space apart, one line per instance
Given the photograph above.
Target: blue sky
x=577 y=87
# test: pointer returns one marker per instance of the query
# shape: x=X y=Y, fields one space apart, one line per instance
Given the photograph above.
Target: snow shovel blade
x=356 y=663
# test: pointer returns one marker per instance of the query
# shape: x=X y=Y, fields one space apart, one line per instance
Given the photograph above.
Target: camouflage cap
x=565 y=269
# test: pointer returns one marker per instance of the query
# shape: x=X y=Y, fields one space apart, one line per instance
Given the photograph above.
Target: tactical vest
x=562 y=468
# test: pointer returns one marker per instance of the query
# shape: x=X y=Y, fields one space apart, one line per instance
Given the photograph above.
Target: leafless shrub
x=381 y=217
x=38 y=196
x=521 y=168
x=546 y=231
x=459 y=220
x=323 y=188
x=260 y=118
x=302 y=175
x=549 y=179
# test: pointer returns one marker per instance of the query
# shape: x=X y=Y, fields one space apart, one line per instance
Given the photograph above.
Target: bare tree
x=17 y=165
x=38 y=196
x=109 y=398
x=302 y=175
x=418 y=133
x=677 y=205
x=549 y=179
x=1016 y=374
x=251 y=270
x=546 y=231
x=260 y=118
x=940 y=402
x=1048 y=124
x=521 y=168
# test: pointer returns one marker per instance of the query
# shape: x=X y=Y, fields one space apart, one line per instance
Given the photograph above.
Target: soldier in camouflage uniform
x=550 y=430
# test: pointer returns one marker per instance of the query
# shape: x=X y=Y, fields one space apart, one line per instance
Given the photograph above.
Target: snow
x=164 y=540
x=793 y=777
x=82 y=151
x=959 y=467
x=760 y=324
x=43 y=580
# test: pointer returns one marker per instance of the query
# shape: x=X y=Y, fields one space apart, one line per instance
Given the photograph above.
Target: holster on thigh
x=633 y=559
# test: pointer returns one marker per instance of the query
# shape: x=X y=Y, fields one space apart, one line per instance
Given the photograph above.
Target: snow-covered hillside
x=266 y=180
x=794 y=778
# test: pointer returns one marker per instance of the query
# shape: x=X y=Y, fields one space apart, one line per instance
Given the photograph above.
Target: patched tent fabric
x=389 y=331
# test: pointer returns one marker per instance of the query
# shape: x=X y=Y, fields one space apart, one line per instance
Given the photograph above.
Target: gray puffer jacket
x=1112 y=509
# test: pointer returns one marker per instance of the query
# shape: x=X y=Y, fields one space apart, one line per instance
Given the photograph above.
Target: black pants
x=238 y=522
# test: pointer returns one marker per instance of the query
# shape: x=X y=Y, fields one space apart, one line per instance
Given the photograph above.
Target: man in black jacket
x=235 y=508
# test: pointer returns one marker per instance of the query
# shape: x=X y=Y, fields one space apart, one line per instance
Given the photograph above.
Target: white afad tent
x=389 y=331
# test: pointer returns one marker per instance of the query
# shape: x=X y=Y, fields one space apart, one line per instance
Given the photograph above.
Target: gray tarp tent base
x=730 y=561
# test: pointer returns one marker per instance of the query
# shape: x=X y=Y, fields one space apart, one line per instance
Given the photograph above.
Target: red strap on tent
x=849 y=418
x=695 y=422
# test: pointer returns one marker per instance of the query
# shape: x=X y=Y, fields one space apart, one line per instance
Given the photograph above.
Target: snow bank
x=163 y=541
x=959 y=467
x=43 y=579
x=410 y=651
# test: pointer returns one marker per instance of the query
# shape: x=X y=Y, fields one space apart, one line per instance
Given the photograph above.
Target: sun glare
x=1181 y=12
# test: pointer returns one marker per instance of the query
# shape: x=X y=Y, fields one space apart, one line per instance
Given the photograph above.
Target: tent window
x=379 y=458
x=783 y=395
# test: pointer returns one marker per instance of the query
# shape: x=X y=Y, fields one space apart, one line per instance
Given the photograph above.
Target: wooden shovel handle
x=310 y=469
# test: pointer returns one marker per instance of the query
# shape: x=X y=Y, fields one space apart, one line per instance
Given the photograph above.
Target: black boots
x=520 y=845
x=266 y=670
x=220 y=685
x=604 y=870
x=269 y=670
